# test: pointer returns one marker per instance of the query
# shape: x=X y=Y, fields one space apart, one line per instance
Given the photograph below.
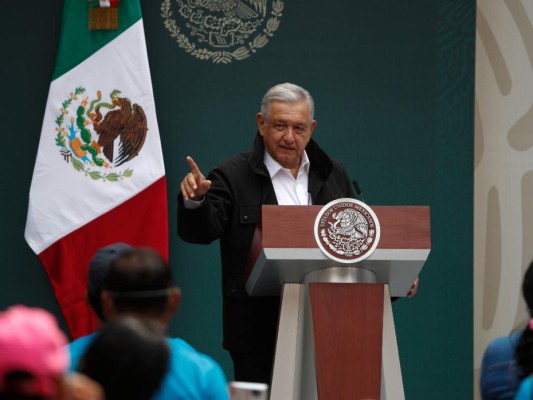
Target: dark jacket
x=230 y=212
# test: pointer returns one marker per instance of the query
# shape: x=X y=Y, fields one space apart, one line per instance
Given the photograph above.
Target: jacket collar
x=320 y=162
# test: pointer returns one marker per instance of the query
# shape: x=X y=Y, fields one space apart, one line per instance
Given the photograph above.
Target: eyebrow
x=284 y=121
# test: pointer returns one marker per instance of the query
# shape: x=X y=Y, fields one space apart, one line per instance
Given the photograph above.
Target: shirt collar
x=274 y=167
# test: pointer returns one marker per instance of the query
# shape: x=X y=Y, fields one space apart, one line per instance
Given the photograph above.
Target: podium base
x=349 y=355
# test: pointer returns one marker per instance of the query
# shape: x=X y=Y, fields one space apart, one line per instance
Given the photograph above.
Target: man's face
x=287 y=131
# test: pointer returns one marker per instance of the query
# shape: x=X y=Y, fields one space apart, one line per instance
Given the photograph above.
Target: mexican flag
x=99 y=176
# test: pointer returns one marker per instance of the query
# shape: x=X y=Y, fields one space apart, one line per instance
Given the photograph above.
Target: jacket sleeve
x=208 y=222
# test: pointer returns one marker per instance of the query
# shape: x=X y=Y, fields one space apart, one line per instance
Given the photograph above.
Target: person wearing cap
x=33 y=359
x=98 y=269
x=138 y=282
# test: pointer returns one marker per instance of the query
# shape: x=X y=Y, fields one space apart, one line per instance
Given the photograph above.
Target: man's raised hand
x=194 y=186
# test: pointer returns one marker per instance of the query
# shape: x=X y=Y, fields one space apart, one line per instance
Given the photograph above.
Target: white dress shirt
x=290 y=191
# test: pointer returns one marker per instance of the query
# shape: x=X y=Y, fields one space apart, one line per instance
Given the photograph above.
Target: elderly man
x=284 y=167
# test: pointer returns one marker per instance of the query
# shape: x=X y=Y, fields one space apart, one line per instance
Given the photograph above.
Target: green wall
x=393 y=87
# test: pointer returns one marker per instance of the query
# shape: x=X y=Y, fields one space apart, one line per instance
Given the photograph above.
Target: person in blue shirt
x=500 y=375
x=128 y=358
x=507 y=360
x=524 y=348
x=136 y=281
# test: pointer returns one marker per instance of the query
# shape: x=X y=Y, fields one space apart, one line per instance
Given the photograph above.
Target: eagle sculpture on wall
x=126 y=122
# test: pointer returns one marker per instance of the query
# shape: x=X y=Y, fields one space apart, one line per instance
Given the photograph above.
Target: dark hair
x=95 y=301
x=524 y=348
x=128 y=358
x=139 y=281
x=12 y=383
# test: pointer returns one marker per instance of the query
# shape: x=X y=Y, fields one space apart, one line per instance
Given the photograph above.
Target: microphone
x=358 y=190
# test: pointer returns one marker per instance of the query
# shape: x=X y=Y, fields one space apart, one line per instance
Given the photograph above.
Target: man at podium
x=284 y=167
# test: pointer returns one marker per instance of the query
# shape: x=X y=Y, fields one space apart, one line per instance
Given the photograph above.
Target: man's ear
x=108 y=305
x=260 y=123
x=173 y=303
x=313 y=126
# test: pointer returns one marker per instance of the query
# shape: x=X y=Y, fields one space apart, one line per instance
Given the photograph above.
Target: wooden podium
x=336 y=337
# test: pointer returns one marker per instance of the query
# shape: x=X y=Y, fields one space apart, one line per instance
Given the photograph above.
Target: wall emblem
x=98 y=136
x=347 y=230
x=221 y=30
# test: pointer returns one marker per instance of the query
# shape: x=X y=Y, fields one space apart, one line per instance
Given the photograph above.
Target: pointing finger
x=194 y=168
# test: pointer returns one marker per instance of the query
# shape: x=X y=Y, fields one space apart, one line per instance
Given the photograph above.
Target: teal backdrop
x=393 y=86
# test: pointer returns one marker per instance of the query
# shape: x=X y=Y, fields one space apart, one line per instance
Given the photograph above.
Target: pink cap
x=31 y=341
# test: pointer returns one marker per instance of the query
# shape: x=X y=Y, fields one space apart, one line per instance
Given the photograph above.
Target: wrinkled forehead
x=293 y=111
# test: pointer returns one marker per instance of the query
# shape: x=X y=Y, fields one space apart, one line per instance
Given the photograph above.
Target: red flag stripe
x=140 y=221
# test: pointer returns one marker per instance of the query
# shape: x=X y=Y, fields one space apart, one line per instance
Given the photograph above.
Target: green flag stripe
x=77 y=42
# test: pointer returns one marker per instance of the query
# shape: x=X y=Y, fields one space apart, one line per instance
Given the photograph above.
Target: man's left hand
x=414 y=288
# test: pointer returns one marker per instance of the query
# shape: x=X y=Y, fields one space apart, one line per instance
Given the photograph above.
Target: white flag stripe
x=124 y=63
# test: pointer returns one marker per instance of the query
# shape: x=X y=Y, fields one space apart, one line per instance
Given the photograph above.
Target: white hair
x=289 y=93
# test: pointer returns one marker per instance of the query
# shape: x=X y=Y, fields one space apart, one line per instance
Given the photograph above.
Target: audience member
x=500 y=375
x=138 y=282
x=129 y=358
x=508 y=359
x=33 y=359
x=98 y=269
x=524 y=348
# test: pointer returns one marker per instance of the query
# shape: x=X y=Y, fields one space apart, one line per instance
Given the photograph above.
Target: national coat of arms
x=347 y=230
x=97 y=136
x=221 y=30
